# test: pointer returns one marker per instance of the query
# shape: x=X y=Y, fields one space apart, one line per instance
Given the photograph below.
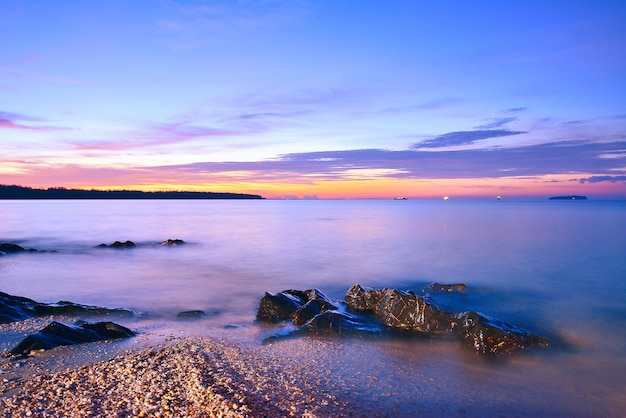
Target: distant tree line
x=19 y=192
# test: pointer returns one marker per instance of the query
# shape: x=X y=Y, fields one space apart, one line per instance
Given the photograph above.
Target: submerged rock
x=373 y=311
x=440 y=287
x=118 y=244
x=58 y=334
x=17 y=308
x=195 y=314
x=11 y=248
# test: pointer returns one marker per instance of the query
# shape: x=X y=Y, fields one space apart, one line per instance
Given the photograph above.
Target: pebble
x=195 y=376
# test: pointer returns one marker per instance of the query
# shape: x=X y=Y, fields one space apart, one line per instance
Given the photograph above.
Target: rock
x=118 y=244
x=11 y=248
x=191 y=314
x=17 y=308
x=486 y=335
x=309 y=310
x=173 y=242
x=58 y=334
x=373 y=311
x=340 y=323
x=439 y=287
x=402 y=311
x=276 y=307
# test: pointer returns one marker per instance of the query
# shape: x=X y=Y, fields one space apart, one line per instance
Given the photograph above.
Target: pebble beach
x=187 y=376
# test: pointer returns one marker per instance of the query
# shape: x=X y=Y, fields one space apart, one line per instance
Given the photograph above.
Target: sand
x=189 y=377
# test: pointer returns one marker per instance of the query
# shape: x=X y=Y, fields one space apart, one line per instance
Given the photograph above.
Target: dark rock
x=58 y=334
x=309 y=310
x=17 y=308
x=173 y=242
x=440 y=287
x=401 y=311
x=191 y=314
x=373 y=311
x=486 y=335
x=118 y=244
x=11 y=248
x=276 y=307
x=340 y=323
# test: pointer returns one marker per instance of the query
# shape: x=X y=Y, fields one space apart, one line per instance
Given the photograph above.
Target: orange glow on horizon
x=385 y=188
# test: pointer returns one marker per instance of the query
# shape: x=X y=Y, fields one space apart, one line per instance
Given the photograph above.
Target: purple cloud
x=599 y=179
x=564 y=157
x=463 y=138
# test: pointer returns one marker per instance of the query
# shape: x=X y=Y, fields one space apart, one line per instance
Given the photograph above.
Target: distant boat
x=498 y=198
x=446 y=198
x=401 y=198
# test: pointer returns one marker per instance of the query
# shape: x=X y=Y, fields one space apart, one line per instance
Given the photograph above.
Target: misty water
x=556 y=268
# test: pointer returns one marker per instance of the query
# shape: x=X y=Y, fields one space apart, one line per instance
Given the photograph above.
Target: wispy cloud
x=9 y=120
x=600 y=179
x=567 y=157
x=496 y=123
x=463 y=138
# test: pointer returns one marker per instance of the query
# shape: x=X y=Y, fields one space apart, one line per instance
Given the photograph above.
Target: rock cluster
x=368 y=310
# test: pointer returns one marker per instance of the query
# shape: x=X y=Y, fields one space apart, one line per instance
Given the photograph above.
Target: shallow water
x=555 y=267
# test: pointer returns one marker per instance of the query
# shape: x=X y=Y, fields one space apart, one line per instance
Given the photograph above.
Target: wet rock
x=401 y=311
x=119 y=244
x=173 y=242
x=486 y=335
x=58 y=334
x=440 y=287
x=11 y=248
x=276 y=307
x=340 y=323
x=406 y=312
x=374 y=311
x=17 y=308
x=310 y=309
x=191 y=314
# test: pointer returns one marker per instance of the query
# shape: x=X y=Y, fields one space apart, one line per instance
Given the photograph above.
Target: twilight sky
x=316 y=98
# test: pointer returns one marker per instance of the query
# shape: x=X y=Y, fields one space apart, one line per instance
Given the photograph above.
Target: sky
x=316 y=99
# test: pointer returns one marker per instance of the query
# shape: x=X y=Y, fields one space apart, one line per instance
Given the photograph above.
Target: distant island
x=572 y=197
x=19 y=192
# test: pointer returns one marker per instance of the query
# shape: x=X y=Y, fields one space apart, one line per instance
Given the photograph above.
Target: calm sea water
x=557 y=268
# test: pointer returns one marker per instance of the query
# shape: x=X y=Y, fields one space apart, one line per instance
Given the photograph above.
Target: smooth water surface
x=557 y=268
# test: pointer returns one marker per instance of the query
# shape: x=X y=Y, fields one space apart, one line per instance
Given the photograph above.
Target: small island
x=19 y=192
x=571 y=197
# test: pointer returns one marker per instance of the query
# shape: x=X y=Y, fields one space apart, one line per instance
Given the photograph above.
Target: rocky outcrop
x=374 y=311
x=8 y=248
x=58 y=334
x=17 y=308
x=118 y=244
x=173 y=242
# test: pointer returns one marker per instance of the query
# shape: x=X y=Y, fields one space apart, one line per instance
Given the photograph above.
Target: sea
x=556 y=268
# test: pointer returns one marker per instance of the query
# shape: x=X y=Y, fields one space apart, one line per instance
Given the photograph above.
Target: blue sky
x=315 y=98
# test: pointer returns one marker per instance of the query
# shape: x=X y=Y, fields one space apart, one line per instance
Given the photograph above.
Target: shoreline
x=186 y=369
x=191 y=376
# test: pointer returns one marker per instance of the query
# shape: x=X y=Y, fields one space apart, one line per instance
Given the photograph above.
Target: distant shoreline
x=28 y=193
